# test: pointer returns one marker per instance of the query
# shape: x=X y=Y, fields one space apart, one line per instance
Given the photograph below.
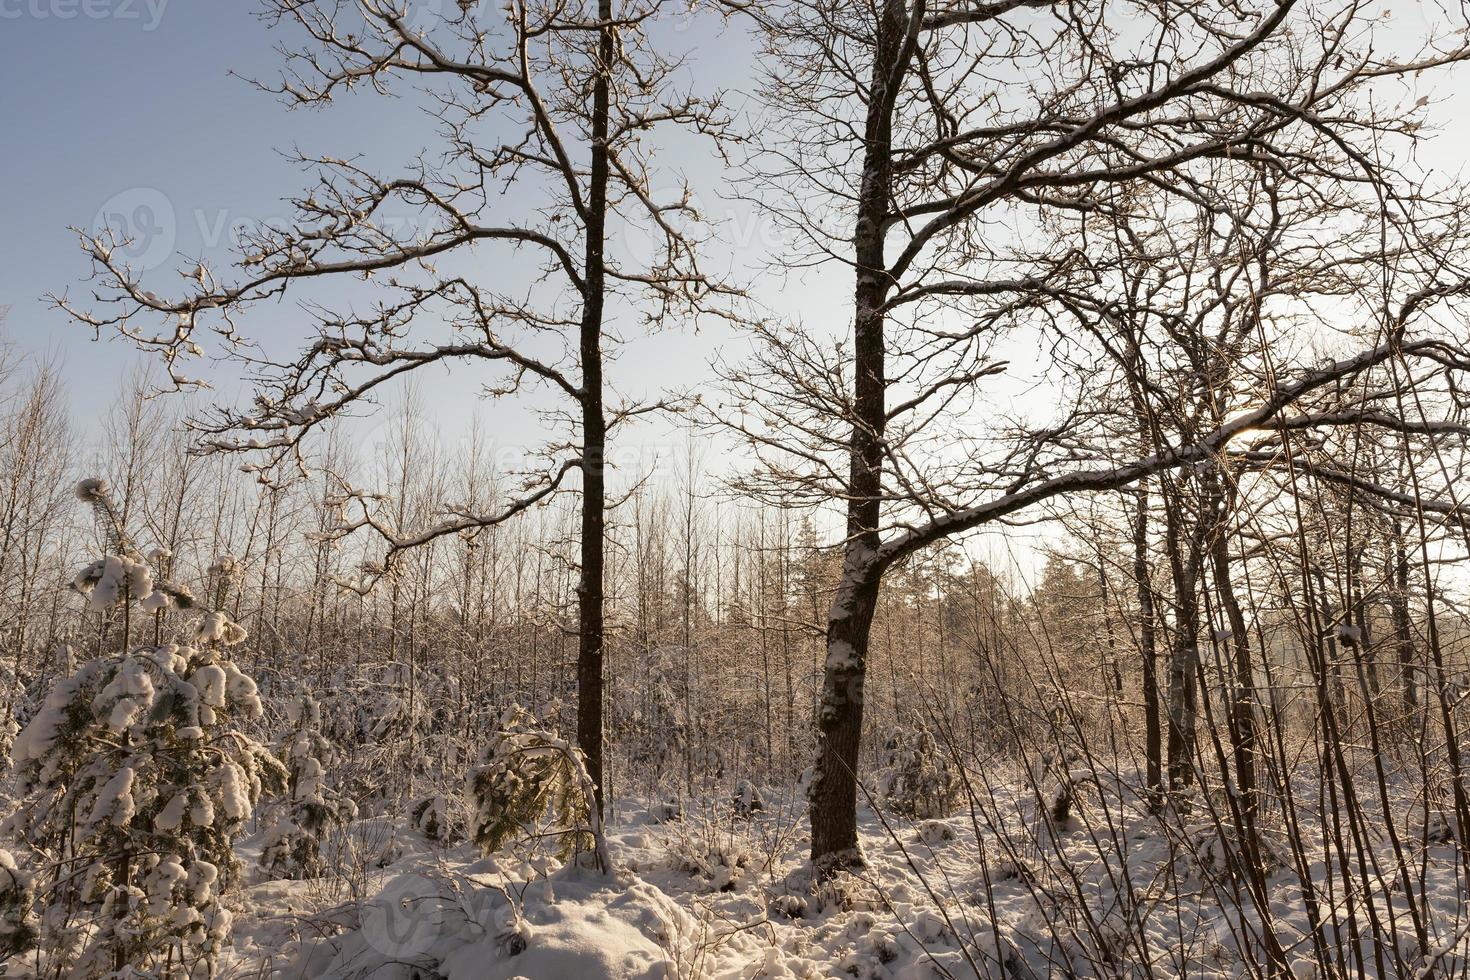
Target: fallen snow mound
x=572 y=924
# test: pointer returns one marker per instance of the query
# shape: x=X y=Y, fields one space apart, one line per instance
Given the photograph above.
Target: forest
x=1058 y=570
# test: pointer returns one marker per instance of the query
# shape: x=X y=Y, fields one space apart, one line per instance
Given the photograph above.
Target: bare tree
x=546 y=111
x=931 y=147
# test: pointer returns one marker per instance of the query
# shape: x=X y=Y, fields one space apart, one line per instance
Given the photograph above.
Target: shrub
x=136 y=779
x=310 y=809
x=918 y=780
x=532 y=783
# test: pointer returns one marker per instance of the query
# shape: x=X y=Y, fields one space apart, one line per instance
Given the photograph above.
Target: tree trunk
x=1184 y=653
x=1243 y=707
x=840 y=724
x=1402 y=630
x=594 y=431
x=1333 y=667
x=1363 y=640
x=1153 y=737
x=840 y=715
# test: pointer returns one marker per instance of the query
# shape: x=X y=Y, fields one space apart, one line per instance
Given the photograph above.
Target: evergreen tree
x=17 y=896
x=918 y=779
x=309 y=809
x=531 y=783
x=136 y=781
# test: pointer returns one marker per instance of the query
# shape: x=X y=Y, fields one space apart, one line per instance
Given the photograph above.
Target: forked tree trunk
x=1243 y=705
x=1183 y=699
x=1242 y=713
x=1184 y=652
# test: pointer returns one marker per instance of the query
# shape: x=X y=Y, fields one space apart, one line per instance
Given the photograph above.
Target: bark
x=1399 y=608
x=1333 y=668
x=1153 y=738
x=840 y=724
x=1112 y=672
x=840 y=714
x=1243 y=707
x=1184 y=653
x=594 y=431
x=1363 y=645
x=1184 y=697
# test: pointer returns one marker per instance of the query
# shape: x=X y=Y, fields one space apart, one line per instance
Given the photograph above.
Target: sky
x=120 y=107
x=140 y=111
x=133 y=108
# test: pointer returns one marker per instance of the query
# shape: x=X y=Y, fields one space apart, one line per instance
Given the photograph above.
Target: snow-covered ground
x=1115 y=893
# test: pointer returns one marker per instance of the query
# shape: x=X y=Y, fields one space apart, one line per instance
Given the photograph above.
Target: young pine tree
x=310 y=809
x=531 y=783
x=918 y=779
x=136 y=780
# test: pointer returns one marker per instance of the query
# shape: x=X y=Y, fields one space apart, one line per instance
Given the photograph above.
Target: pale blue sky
x=136 y=107
x=120 y=106
x=129 y=105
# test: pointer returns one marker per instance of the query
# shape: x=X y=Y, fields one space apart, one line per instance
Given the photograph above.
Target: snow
x=210 y=682
x=234 y=792
x=216 y=627
x=119 y=765
x=167 y=875
x=171 y=817
x=107 y=580
x=201 y=814
x=115 y=801
x=985 y=882
x=36 y=740
x=576 y=926
x=935 y=901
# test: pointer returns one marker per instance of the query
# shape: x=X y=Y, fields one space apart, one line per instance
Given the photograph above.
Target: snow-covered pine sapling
x=17 y=898
x=437 y=819
x=135 y=782
x=747 y=801
x=531 y=783
x=371 y=715
x=309 y=808
x=123 y=576
x=918 y=779
x=1057 y=785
